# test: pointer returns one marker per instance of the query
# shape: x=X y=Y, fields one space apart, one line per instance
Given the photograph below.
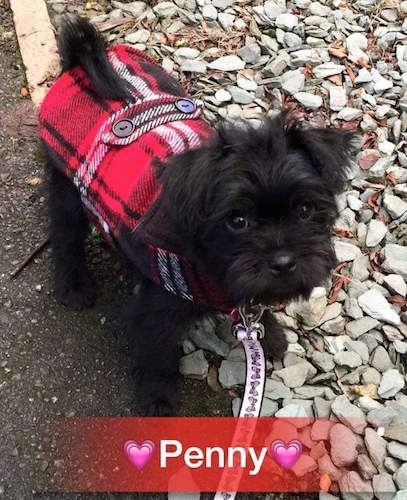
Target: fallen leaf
x=23 y=92
x=325 y=482
x=368 y=160
x=212 y=379
x=369 y=390
x=307 y=72
x=33 y=181
x=338 y=283
x=21 y=120
x=398 y=300
x=342 y=232
x=391 y=177
x=369 y=141
x=350 y=71
x=376 y=260
x=339 y=52
x=114 y=23
x=336 y=79
x=372 y=201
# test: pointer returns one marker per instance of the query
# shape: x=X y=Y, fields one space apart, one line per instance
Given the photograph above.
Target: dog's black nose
x=282 y=263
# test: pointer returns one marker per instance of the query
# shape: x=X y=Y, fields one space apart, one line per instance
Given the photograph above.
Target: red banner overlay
x=191 y=454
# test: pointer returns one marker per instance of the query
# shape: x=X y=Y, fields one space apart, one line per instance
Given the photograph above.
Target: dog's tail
x=81 y=44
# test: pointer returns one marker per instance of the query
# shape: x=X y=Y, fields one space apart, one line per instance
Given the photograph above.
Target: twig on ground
x=28 y=259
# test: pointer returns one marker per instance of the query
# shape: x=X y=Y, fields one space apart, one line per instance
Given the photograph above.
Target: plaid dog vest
x=107 y=149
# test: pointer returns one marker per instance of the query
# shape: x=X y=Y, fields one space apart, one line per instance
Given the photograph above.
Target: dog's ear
x=330 y=151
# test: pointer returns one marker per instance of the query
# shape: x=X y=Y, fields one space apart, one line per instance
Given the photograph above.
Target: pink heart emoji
x=139 y=454
x=286 y=454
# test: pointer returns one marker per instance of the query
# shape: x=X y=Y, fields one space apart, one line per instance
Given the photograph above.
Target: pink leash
x=249 y=330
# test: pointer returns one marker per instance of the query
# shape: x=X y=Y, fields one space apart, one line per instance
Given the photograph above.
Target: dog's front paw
x=157 y=408
x=275 y=341
x=76 y=295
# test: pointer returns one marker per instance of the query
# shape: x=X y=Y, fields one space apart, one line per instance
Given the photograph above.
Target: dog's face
x=258 y=205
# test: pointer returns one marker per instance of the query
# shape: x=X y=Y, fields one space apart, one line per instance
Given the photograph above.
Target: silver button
x=123 y=128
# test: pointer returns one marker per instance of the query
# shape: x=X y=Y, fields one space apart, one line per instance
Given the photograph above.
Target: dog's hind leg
x=68 y=229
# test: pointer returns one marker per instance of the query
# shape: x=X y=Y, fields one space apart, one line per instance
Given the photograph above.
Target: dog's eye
x=237 y=223
x=304 y=211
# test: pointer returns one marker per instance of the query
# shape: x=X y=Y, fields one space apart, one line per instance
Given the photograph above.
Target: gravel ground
x=332 y=62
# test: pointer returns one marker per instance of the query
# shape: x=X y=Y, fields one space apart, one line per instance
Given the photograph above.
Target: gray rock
x=140 y=36
x=272 y=9
x=320 y=430
x=348 y=359
x=296 y=375
x=391 y=464
x=274 y=389
x=352 y=308
x=396 y=259
x=232 y=373
x=165 y=9
x=349 y=114
x=371 y=376
x=268 y=408
x=209 y=12
x=356 y=44
x=225 y=20
x=334 y=326
x=326 y=466
x=309 y=101
x=240 y=96
x=346 y=251
x=381 y=359
x=194 y=365
x=293 y=81
x=392 y=333
x=349 y=414
x=380 y=417
x=286 y=21
x=366 y=468
x=309 y=312
x=400 y=477
x=392 y=382
x=383 y=486
x=304 y=465
x=322 y=407
x=323 y=361
x=353 y=487
x=250 y=53
x=203 y=335
x=400 y=347
x=376 y=447
x=134 y=9
x=223 y=4
x=358 y=327
x=397 y=432
x=193 y=66
x=292 y=411
x=400 y=495
x=398 y=450
x=394 y=205
x=227 y=63
x=343 y=445
x=360 y=348
x=327 y=69
x=375 y=305
x=317 y=9
x=395 y=284
x=223 y=95
x=376 y=231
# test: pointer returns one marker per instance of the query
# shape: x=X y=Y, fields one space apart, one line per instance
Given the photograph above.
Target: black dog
x=244 y=216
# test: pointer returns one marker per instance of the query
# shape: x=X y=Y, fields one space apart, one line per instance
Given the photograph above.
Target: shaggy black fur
x=255 y=205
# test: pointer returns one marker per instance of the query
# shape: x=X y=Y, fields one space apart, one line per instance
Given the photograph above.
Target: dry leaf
x=376 y=260
x=369 y=390
x=325 y=482
x=338 y=282
x=398 y=300
x=345 y=233
x=372 y=202
x=350 y=71
x=212 y=379
x=336 y=79
x=33 y=181
x=339 y=52
x=391 y=177
x=368 y=160
x=23 y=92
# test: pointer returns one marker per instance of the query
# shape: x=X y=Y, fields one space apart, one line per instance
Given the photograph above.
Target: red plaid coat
x=108 y=148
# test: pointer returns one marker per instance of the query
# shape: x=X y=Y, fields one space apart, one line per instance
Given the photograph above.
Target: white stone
x=376 y=231
x=309 y=101
x=327 y=69
x=223 y=95
x=337 y=98
x=394 y=205
x=396 y=259
x=396 y=284
x=227 y=63
x=293 y=81
x=286 y=21
x=345 y=251
x=376 y=306
x=349 y=114
x=356 y=43
x=392 y=382
x=209 y=12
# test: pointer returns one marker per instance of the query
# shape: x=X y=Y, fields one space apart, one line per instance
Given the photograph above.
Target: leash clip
x=248 y=326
